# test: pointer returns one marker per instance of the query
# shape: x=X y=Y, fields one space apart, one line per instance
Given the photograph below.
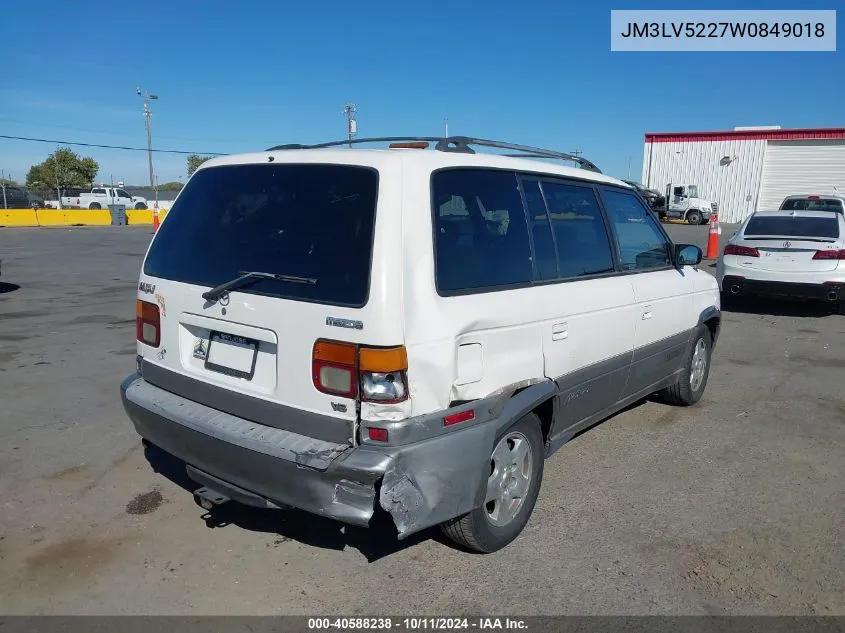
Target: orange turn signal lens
x=334 y=352
x=383 y=360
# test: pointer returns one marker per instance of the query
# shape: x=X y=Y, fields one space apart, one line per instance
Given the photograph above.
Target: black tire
x=140 y=205
x=475 y=530
x=94 y=205
x=682 y=393
x=840 y=307
x=694 y=217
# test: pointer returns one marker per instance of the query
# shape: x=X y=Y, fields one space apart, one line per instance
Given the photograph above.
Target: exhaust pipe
x=735 y=289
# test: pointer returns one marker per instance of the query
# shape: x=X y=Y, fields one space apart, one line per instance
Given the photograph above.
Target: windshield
x=802 y=204
x=312 y=221
x=692 y=191
x=793 y=226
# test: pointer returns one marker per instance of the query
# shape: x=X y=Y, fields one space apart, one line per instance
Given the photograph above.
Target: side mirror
x=687 y=255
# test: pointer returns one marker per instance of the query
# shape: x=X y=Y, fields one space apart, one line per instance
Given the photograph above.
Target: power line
x=132 y=149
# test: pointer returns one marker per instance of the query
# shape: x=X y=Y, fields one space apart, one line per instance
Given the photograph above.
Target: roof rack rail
x=460 y=144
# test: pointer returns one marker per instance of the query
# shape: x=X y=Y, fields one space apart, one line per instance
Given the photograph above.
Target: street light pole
x=147 y=116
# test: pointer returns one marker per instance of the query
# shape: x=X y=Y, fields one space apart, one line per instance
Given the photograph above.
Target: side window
x=480 y=235
x=122 y=194
x=642 y=245
x=101 y=192
x=678 y=191
x=582 y=242
x=545 y=253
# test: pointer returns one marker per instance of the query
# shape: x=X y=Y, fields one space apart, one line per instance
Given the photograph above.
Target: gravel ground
x=734 y=506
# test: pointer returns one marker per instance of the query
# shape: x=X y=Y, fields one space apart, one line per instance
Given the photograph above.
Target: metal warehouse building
x=748 y=168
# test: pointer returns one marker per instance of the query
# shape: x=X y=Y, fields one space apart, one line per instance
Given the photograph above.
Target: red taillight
x=829 y=255
x=744 y=251
x=812 y=197
x=457 y=418
x=376 y=374
x=377 y=435
x=147 y=323
x=334 y=368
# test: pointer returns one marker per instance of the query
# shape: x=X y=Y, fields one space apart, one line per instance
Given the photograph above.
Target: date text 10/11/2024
x=416 y=624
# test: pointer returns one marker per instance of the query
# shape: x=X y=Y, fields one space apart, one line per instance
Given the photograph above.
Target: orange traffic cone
x=713 y=238
x=155 y=219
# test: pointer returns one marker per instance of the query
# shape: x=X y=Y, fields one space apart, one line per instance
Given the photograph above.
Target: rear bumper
x=419 y=484
x=736 y=285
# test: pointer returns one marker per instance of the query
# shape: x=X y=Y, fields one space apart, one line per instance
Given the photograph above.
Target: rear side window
x=582 y=243
x=642 y=245
x=792 y=226
x=98 y=191
x=303 y=220
x=480 y=233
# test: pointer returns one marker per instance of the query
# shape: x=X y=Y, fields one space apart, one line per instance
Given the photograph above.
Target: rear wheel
x=840 y=307
x=140 y=205
x=94 y=205
x=694 y=217
x=513 y=483
x=693 y=379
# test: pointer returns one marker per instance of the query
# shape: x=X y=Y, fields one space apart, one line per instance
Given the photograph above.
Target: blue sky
x=242 y=76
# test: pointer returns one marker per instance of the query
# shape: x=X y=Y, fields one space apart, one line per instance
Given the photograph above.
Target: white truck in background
x=102 y=197
x=683 y=203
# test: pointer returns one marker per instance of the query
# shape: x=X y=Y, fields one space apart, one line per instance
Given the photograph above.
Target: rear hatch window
x=304 y=220
x=812 y=204
x=793 y=226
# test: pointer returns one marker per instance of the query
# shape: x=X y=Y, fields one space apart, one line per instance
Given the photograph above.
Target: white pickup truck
x=102 y=197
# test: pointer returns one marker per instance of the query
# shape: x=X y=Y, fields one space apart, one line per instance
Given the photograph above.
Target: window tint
x=678 y=191
x=825 y=204
x=122 y=194
x=642 y=245
x=582 y=243
x=545 y=254
x=303 y=220
x=480 y=235
x=788 y=226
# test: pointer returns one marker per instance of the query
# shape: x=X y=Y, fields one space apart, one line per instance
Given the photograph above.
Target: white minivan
x=406 y=330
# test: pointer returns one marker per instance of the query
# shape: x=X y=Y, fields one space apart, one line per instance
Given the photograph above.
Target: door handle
x=560 y=331
x=647 y=313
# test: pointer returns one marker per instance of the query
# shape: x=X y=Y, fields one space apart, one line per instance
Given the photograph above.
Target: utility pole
x=349 y=111
x=3 y=180
x=147 y=116
x=629 y=168
x=446 y=124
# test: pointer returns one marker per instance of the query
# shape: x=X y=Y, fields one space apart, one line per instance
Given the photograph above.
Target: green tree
x=170 y=186
x=63 y=168
x=194 y=161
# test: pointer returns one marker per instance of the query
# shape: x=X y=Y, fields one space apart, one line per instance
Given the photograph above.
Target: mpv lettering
x=510 y=304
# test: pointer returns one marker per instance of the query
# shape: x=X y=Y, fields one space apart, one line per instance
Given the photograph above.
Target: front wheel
x=513 y=483
x=694 y=217
x=693 y=379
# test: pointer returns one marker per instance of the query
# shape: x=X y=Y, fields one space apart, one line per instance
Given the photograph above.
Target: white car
x=797 y=254
x=406 y=330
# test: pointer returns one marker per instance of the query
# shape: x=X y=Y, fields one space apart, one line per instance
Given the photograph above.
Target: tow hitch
x=208 y=498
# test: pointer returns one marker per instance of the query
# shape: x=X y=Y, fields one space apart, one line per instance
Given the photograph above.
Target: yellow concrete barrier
x=18 y=217
x=52 y=217
x=89 y=217
x=73 y=217
x=143 y=216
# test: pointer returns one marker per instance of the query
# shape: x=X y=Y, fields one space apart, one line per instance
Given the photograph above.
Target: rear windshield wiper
x=249 y=277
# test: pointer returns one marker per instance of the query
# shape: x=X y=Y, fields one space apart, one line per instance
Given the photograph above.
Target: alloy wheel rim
x=699 y=365
x=511 y=469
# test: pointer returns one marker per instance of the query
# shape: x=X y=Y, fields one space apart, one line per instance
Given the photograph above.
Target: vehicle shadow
x=376 y=542
x=7 y=287
x=765 y=306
